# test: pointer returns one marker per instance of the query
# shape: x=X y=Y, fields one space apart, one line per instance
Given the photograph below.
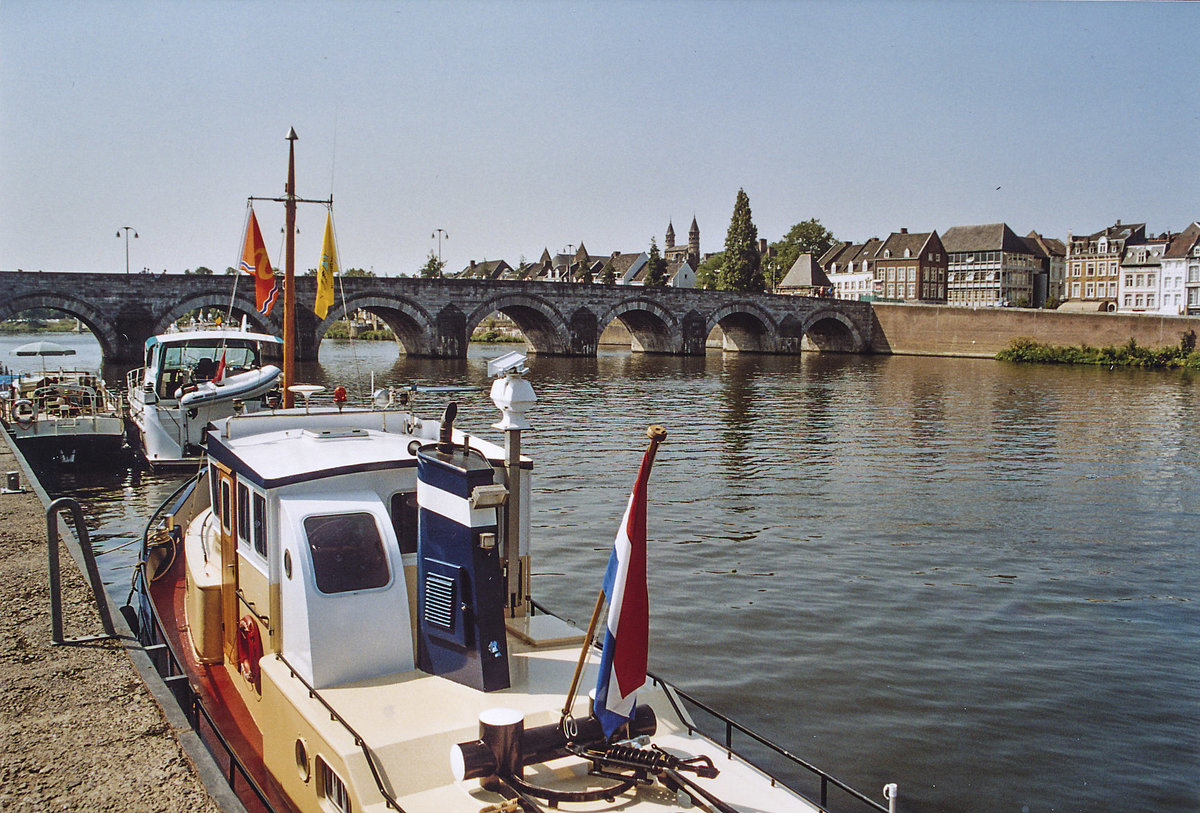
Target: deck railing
x=726 y=731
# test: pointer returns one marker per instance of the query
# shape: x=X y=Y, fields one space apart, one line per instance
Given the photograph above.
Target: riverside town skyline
x=507 y=129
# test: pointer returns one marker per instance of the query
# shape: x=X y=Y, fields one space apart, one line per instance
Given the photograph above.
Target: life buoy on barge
x=24 y=413
x=249 y=650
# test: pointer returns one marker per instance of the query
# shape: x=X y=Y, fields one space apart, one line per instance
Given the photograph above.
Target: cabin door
x=222 y=503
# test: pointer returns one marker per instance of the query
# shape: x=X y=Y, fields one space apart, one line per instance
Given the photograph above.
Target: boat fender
x=249 y=650
x=24 y=412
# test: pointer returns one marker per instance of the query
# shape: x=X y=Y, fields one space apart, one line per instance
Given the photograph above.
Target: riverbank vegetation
x=1129 y=354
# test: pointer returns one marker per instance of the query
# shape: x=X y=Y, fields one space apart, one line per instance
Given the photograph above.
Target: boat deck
x=412 y=720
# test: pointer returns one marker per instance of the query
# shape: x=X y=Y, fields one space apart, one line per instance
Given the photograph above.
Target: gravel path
x=79 y=730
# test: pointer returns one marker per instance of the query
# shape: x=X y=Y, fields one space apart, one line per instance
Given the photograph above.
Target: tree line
x=741 y=266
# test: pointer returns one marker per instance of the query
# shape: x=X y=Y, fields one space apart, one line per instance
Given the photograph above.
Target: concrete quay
x=82 y=726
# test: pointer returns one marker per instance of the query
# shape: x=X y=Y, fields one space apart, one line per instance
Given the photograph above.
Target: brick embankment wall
x=939 y=330
x=79 y=730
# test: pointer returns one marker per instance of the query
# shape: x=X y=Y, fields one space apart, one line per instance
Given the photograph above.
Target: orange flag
x=256 y=264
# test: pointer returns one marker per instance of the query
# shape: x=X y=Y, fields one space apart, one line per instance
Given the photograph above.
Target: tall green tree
x=607 y=275
x=432 y=269
x=742 y=269
x=807 y=237
x=656 y=268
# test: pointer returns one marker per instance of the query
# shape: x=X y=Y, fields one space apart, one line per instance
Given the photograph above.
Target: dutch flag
x=627 y=637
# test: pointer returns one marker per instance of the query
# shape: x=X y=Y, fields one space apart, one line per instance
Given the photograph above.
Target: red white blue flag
x=627 y=636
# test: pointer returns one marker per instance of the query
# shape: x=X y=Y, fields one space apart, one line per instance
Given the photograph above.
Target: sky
x=520 y=126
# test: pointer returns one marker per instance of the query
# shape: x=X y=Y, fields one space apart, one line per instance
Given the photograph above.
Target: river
x=975 y=579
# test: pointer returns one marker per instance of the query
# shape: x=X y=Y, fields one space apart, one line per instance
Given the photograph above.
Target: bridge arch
x=831 y=331
x=654 y=328
x=747 y=327
x=99 y=323
x=243 y=304
x=545 y=328
x=413 y=326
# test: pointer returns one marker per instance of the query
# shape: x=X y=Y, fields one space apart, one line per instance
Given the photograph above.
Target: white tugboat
x=348 y=592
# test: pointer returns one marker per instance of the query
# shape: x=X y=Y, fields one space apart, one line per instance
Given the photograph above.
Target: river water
x=974 y=579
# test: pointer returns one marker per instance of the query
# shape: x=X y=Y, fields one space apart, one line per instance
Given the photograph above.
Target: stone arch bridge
x=435 y=317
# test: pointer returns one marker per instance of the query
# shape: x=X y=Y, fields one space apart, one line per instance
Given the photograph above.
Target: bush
x=1028 y=351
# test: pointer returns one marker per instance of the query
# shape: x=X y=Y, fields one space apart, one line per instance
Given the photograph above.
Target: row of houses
x=1119 y=268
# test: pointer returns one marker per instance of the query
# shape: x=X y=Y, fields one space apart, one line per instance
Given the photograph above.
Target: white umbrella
x=43 y=348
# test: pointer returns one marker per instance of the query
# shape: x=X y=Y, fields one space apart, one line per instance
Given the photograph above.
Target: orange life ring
x=249 y=650
x=23 y=412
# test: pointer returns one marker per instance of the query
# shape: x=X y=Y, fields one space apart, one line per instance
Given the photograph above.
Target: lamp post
x=126 y=229
x=439 y=234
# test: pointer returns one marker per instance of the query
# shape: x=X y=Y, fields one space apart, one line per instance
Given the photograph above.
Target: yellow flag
x=326 y=271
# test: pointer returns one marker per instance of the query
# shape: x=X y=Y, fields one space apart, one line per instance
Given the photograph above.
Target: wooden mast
x=289 y=273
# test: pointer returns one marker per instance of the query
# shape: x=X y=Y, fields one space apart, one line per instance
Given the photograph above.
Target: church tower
x=670 y=235
x=694 y=244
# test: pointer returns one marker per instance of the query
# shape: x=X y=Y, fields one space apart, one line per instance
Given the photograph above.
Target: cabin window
x=404 y=520
x=260 y=524
x=347 y=552
x=225 y=506
x=243 y=515
x=332 y=788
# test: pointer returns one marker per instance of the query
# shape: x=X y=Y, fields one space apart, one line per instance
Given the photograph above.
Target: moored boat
x=349 y=591
x=192 y=377
x=63 y=416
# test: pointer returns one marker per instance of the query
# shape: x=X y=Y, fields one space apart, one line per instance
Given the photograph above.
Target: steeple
x=694 y=243
x=670 y=235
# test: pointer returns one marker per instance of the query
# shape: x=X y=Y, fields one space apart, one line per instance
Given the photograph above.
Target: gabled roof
x=488 y=269
x=805 y=273
x=1046 y=246
x=1184 y=242
x=901 y=242
x=986 y=237
x=835 y=253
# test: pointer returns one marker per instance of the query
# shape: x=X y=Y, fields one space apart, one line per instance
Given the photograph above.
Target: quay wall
x=940 y=330
x=86 y=726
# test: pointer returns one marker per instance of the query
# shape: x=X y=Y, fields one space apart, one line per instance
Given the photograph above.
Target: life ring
x=24 y=412
x=249 y=650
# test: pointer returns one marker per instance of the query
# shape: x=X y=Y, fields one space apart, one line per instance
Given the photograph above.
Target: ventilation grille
x=439 y=600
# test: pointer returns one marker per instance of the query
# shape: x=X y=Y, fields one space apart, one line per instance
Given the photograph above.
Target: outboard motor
x=460 y=592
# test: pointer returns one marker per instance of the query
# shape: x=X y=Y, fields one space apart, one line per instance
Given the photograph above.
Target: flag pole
x=289 y=274
x=657 y=435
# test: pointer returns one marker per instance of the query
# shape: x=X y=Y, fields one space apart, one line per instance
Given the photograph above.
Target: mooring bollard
x=89 y=561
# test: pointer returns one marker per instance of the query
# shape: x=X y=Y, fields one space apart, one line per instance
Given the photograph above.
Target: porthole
x=302 y=766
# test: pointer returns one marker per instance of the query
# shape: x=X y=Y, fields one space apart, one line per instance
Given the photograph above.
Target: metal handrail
x=194 y=707
x=732 y=725
x=388 y=798
x=89 y=562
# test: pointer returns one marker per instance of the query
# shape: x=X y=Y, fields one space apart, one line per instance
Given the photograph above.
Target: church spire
x=670 y=235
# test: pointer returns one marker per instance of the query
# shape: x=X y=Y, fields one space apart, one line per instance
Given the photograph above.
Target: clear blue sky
x=522 y=126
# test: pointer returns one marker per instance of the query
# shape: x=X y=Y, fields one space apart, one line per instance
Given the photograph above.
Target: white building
x=1139 y=282
x=849 y=268
x=1181 y=273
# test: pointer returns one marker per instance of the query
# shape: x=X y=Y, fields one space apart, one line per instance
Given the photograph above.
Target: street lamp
x=439 y=234
x=126 y=229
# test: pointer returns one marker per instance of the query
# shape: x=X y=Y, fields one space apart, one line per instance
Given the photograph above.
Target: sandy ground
x=78 y=728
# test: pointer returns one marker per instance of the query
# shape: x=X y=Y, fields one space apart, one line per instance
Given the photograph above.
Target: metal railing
x=732 y=727
x=169 y=666
x=89 y=562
